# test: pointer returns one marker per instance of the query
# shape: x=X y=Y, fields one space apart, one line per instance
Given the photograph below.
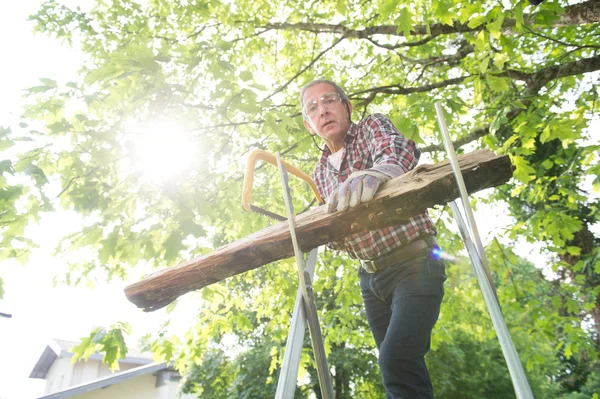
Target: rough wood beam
x=398 y=199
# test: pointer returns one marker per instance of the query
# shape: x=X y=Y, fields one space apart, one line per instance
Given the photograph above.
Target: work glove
x=358 y=188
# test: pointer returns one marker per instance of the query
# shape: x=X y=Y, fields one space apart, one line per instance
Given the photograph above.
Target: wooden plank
x=397 y=200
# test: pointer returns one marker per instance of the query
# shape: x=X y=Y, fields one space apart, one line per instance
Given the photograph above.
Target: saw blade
x=268 y=214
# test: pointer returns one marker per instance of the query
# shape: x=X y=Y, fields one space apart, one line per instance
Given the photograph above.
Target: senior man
x=401 y=283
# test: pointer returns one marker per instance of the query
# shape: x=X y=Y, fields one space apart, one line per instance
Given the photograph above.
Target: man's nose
x=322 y=108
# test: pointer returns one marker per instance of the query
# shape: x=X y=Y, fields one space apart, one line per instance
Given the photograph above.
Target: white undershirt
x=335 y=159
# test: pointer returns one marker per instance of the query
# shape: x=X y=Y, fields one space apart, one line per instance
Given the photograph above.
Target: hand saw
x=256 y=155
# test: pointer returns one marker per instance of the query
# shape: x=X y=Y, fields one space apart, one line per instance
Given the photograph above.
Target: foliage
x=590 y=390
x=517 y=79
x=108 y=341
x=466 y=355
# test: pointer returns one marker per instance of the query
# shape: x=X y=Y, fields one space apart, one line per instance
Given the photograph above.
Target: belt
x=398 y=255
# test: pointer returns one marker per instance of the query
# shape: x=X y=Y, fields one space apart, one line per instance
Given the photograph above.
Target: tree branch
x=321 y=54
x=561 y=42
x=416 y=43
x=535 y=81
x=464 y=50
x=73 y=179
x=578 y=14
x=474 y=135
x=398 y=89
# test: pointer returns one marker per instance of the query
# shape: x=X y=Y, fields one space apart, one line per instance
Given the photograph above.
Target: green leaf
x=545 y=136
x=523 y=172
x=484 y=64
x=246 y=76
x=225 y=66
x=518 y=13
x=249 y=108
x=547 y=164
x=48 y=82
x=61 y=126
x=495 y=28
x=4 y=131
x=341 y=7
x=498 y=85
x=38 y=174
x=6 y=167
x=388 y=8
x=465 y=13
x=108 y=246
x=98 y=338
x=5 y=144
x=572 y=307
x=477 y=90
x=442 y=12
x=519 y=104
x=171 y=307
x=562 y=129
x=223 y=45
x=476 y=21
x=508 y=143
x=404 y=21
x=407 y=127
x=500 y=59
x=189 y=227
x=498 y=122
x=173 y=245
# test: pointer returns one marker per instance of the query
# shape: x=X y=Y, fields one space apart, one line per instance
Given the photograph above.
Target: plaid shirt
x=373 y=143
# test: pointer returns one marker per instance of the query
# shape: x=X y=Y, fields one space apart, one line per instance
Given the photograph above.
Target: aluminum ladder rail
x=470 y=235
x=304 y=310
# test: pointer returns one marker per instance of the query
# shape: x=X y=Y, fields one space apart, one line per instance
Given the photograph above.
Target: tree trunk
x=396 y=201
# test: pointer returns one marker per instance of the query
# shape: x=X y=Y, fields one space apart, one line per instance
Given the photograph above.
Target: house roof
x=107 y=381
x=61 y=348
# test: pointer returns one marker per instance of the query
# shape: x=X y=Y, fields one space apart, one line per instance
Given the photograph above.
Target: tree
x=516 y=79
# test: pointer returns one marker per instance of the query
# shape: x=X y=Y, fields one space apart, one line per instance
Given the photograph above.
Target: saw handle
x=258 y=154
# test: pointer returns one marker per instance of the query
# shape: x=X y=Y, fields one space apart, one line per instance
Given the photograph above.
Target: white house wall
x=90 y=371
x=59 y=375
x=169 y=391
x=63 y=374
x=142 y=387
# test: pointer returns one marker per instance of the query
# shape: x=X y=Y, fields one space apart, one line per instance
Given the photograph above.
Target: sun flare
x=163 y=150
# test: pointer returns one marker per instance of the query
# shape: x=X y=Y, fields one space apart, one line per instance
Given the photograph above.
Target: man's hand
x=358 y=188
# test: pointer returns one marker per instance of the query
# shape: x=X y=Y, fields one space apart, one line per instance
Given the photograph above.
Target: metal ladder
x=305 y=309
x=470 y=236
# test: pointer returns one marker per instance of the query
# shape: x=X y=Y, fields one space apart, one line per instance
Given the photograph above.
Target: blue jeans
x=402 y=304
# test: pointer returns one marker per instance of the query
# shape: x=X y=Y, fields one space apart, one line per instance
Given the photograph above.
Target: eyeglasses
x=327 y=100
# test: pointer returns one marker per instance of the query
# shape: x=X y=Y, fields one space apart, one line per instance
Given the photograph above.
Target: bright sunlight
x=162 y=150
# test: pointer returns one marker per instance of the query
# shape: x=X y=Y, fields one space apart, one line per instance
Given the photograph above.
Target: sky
x=40 y=311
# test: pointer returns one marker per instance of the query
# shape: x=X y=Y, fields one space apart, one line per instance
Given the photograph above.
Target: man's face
x=328 y=117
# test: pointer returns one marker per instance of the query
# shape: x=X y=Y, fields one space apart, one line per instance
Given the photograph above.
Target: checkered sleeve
x=393 y=154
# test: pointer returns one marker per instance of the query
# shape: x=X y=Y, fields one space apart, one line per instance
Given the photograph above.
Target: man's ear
x=308 y=126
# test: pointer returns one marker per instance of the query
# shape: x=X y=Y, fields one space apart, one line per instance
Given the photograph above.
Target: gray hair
x=337 y=88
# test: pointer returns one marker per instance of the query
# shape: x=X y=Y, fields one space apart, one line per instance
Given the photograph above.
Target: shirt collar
x=348 y=138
